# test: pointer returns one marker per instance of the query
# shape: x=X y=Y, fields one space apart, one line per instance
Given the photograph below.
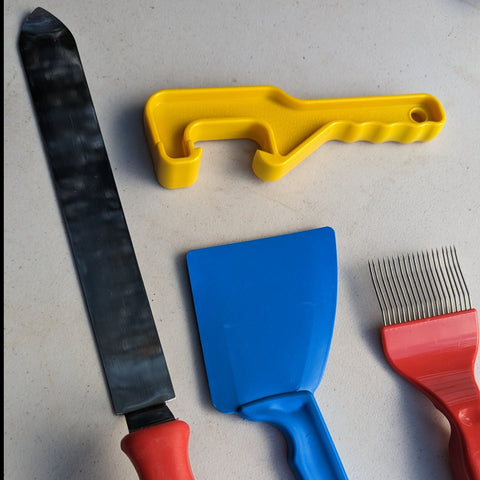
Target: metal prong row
x=419 y=285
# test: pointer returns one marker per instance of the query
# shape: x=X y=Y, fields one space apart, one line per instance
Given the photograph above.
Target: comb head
x=419 y=285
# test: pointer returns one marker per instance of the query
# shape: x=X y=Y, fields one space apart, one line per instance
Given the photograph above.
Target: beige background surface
x=380 y=199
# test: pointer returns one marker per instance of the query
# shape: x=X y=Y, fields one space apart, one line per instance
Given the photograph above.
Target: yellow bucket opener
x=287 y=129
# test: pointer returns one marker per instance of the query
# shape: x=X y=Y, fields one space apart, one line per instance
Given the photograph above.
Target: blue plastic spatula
x=265 y=311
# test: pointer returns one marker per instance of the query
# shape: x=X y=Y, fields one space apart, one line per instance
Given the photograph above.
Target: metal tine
x=392 y=292
x=426 y=290
x=379 y=293
x=466 y=293
x=440 y=295
x=421 y=277
x=410 y=290
x=428 y=284
x=373 y=276
x=448 y=284
x=397 y=295
x=388 y=291
x=391 y=289
x=406 y=289
x=400 y=289
x=398 y=311
x=431 y=282
x=384 y=295
x=420 y=303
x=449 y=270
x=418 y=287
x=456 y=281
x=438 y=273
x=421 y=285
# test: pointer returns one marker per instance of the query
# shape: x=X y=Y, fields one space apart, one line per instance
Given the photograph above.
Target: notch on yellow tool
x=287 y=129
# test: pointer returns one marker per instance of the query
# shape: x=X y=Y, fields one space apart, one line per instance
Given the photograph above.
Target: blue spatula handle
x=311 y=452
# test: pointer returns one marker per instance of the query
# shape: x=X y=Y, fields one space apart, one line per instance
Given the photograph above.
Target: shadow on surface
x=131 y=147
x=74 y=458
x=194 y=340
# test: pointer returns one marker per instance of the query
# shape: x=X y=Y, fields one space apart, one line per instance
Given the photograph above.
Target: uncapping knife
x=126 y=337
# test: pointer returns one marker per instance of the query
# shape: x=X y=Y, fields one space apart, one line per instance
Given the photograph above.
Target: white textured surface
x=380 y=199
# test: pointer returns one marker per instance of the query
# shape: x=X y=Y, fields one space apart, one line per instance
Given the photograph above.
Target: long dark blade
x=120 y=314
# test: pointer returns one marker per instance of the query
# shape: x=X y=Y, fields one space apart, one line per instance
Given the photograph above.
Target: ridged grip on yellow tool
x=286 y=129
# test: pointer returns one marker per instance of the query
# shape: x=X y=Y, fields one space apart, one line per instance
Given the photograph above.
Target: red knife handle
x=160 y=452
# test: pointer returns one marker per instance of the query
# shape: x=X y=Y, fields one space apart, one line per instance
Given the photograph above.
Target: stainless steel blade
x=122 y=321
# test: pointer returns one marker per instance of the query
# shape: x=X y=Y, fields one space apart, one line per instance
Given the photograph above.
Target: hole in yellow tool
x=287 y=129
x=418 y=115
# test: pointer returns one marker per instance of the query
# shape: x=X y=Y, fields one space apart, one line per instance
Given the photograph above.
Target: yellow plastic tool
x=287 y=129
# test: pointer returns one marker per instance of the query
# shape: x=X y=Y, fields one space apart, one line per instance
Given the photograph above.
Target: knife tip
x=40 y=21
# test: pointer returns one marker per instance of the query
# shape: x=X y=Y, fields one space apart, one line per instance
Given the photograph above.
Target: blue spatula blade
x=265 y=311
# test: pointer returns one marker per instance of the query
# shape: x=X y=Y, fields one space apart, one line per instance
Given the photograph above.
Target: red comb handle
x=437 y=355
x=160 y=452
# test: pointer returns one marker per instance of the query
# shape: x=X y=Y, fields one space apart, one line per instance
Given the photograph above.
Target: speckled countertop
x=381 y=200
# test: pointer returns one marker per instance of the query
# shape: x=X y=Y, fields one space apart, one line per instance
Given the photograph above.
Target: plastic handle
x=437 y=355
x=287 y=129
x=312 y=454
x=464 y=446
x=160 y=452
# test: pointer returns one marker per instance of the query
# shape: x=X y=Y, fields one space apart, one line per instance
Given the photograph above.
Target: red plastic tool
x=436 y=351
